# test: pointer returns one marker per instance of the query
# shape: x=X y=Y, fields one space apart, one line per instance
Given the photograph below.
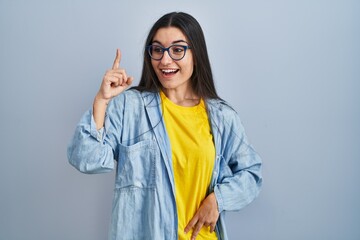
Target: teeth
x=169 y=70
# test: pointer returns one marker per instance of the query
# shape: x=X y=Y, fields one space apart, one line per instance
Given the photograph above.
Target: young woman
x=182 y=156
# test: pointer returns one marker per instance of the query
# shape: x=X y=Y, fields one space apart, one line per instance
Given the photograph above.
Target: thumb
x=129 y=81
x=120 y=88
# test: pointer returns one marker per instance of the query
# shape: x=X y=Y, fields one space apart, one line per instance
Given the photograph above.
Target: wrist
x=99 y=100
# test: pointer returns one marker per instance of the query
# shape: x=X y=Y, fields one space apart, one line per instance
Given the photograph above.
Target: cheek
x=153 y=64
x=190 y=65
x=189 y=68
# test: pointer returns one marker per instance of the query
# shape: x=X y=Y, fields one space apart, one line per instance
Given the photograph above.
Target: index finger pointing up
x=116 y=64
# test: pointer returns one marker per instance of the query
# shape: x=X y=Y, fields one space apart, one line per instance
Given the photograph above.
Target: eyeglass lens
x=176 y=52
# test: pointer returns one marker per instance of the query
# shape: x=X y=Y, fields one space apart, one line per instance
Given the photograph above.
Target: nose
x=166 y=59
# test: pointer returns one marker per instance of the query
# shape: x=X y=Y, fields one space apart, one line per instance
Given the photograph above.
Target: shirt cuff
x=99 y=135
x=219 y=199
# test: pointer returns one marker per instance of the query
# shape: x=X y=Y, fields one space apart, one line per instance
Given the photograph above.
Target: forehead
x=169 y=35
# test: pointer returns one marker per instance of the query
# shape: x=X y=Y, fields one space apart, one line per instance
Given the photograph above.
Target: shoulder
x=223 y=115
x=219 y=106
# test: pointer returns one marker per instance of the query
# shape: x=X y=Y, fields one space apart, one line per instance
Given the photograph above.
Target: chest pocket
x=137 y=165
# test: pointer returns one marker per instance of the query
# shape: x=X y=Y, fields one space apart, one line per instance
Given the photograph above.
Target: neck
x=186 y=98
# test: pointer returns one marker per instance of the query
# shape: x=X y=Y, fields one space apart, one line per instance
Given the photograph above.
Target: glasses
x=176 y=52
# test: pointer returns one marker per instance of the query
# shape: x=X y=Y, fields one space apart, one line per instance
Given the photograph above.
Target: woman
x=182 y=155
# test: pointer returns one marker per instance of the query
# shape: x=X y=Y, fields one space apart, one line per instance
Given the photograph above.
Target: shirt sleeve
x=240 y=179
x=91 y=150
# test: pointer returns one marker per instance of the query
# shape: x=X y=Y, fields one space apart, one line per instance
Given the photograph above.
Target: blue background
x=290 y=68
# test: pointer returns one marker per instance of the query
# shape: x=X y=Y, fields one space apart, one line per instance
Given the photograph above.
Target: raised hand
x=115 y=81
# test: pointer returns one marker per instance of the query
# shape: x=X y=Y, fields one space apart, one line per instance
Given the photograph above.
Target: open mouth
x=169 y=72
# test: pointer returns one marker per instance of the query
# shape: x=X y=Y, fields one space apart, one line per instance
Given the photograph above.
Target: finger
x=119 y=73
x=111 y=75
x=191 y=224
x=123 y=72
x=129 y=81
x=119 y=89
x=114 y=80
x=207 y=224
x=117 y=60
x=212 y=227
x=196 y=230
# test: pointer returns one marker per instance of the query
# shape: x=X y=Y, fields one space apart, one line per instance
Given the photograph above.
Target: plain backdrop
x=290 y=68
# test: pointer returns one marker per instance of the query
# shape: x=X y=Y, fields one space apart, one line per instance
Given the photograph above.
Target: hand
x=206 y=216
x=115 y=81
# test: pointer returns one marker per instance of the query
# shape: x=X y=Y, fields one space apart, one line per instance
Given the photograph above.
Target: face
x=173 y=74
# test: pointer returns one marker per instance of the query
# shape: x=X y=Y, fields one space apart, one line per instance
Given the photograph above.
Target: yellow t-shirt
x=193 y=154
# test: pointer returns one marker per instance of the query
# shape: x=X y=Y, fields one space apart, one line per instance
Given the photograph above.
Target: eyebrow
x=174 y=42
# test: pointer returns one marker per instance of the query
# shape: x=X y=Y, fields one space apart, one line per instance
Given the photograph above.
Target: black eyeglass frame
x=163 y=50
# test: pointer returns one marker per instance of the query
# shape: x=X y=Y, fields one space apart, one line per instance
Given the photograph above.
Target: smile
x=168 y=72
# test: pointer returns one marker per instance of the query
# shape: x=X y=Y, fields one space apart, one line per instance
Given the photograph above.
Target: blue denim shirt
x=134 y=135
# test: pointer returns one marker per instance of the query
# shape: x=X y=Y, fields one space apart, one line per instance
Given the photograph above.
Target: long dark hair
x=202 y=81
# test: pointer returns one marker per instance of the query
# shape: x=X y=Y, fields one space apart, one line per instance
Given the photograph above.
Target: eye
x=157 y=49
x=178 y=50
